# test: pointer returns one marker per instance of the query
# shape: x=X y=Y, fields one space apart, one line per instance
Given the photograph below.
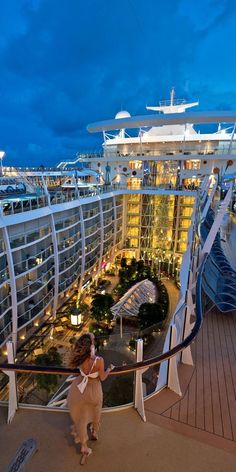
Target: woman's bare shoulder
x=99 y=359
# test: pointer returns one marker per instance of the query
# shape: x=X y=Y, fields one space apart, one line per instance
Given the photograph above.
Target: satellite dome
x=122 y=114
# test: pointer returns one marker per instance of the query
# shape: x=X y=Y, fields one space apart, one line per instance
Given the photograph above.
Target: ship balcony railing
x=34 y=310
x=107 y=221
x=68 y=263
x=90 y=214
x=90 y=255
x=108 y=236
x=66 y=223
x=46 y=265
x=5 y=333
x=90 y=263
x=33 y=261
x=72 y=252
x=67 y=282
x=69 y=243
x=33 y=287
x=90 y=247
x=71 y=269
x=63 y=197
x=74 y=268
x=28 y=238
x=4 y=275
x=69 y=233
x=64 y=249
x=91 y=231
x=5 y=304
x=106 y=208
x=11 y=207
x=183 y=149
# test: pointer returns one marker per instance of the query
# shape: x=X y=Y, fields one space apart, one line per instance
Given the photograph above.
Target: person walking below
x=85 y=395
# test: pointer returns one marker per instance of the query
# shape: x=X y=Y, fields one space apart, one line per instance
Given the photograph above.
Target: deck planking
x=208 y=404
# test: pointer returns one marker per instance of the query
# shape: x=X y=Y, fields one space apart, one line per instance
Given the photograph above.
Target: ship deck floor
x=207 y=409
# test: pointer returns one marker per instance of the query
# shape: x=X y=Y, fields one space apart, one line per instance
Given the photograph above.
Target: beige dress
x=85 y=407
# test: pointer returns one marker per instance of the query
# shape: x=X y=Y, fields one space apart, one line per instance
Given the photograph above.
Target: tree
x=150 y=314
x=123 y=262
x=140 y=266
x=48 y=382
x=101 y=307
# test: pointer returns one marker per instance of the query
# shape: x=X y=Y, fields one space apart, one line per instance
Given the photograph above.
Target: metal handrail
x=138 y=365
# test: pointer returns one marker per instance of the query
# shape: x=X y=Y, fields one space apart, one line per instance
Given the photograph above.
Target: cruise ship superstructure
x=59 y=228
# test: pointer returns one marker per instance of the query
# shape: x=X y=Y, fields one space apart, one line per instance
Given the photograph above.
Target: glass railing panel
x=4 y=275
x=118 y=390
x=5 y=304
x=52 y=390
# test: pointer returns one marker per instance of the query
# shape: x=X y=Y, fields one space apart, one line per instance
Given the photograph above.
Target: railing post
x=173 y=378
x=12 y=402
x=139 y=400
x=186 y=356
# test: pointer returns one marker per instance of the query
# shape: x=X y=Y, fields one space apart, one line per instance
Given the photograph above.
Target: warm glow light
x=22 y=336
x=75 y=320
x=39 y=260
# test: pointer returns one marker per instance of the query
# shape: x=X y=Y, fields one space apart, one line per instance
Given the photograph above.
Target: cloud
x=67 y=63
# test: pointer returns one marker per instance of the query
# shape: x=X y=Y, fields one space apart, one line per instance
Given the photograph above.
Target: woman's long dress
x=85 y=407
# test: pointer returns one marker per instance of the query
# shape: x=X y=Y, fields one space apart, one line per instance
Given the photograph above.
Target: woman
x=85 y=394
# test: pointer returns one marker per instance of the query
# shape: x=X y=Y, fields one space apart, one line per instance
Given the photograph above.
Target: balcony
x=33 y=261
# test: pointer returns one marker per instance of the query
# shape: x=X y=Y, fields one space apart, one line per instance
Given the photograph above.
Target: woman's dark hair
x=80 y=351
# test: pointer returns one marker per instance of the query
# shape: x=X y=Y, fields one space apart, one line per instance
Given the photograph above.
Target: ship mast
x=172 y=105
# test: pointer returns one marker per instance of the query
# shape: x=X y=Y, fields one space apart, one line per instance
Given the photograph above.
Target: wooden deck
x=207 y=409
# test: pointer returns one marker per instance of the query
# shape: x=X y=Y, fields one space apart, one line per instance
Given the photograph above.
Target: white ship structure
x=59 y=228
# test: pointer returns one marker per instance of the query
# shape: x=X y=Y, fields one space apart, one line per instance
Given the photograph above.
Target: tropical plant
x=150 y=314
x=101 y=307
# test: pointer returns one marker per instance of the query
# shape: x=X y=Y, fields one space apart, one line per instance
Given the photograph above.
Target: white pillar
x=12 y=401
x=82 y=231
x=138 y=399
x=186 y=356
x=101 y=232
x=173 y=377
x=115 y=227
x=56 y=265
x=12 y=284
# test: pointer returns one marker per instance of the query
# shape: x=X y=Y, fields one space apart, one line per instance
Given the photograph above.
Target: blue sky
x=66 y=63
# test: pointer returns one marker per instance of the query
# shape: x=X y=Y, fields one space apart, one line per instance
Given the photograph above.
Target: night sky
x=67 y=63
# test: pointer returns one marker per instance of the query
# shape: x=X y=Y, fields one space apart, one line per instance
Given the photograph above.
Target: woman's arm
x=103 y=374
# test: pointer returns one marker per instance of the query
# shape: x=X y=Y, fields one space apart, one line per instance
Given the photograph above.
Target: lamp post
x=76 y=318
x=2 y=154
